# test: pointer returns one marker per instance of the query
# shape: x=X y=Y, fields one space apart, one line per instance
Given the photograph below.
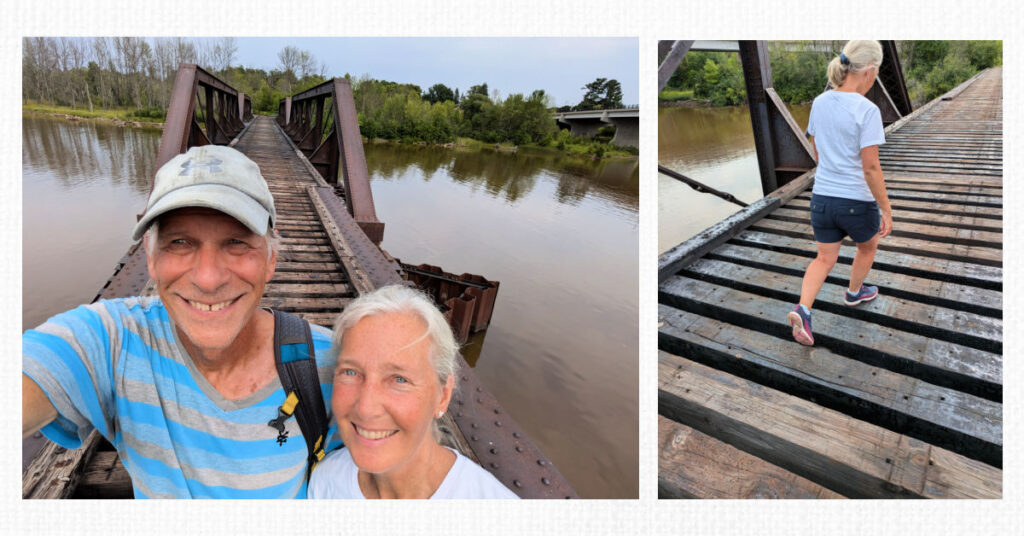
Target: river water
x=560 y=234
x=716 y=147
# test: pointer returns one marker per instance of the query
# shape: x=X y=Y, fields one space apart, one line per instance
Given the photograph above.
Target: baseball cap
x=211 y=176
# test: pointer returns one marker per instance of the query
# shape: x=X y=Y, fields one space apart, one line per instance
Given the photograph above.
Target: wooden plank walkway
x=900 y=397
x=310 y=279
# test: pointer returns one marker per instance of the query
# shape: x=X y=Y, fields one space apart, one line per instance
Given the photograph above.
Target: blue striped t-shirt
x=116 y=366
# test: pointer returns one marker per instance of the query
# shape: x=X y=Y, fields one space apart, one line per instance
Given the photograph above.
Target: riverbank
x=119 y=117
x=583 y=149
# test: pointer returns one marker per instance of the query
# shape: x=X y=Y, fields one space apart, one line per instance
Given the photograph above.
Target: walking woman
x=849 y=196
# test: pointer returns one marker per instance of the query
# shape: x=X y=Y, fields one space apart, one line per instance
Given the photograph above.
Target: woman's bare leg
x=862 y=262
x=818 y=271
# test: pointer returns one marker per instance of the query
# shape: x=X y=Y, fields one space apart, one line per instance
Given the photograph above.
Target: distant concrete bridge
x=586 y=123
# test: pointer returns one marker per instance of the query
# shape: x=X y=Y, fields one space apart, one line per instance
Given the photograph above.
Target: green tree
x=439 y=93
x=949 y=73
x=478 y=90
x=602 y=93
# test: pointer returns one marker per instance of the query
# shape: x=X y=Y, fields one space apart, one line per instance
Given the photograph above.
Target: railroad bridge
x=899 y=397
x=312 y=159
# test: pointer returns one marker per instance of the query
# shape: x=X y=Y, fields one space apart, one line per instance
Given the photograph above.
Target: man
x=184 y=384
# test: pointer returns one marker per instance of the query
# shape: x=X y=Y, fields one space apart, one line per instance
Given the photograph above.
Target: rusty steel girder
x=329 y=138
x=467 y=299
x=221 y=113
x=783 y=152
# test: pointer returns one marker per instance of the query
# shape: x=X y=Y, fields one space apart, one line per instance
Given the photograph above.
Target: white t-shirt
x=842 y=124
x=337 y=477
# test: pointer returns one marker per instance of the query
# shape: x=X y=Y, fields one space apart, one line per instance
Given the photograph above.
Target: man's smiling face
x=210 y=271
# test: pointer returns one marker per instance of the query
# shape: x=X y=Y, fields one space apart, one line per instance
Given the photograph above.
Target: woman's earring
x=439 y=414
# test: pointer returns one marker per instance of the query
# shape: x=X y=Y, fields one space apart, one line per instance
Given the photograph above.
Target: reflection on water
x=83 y=182
x=561 y=236
x=512 y=175
x=716 y=147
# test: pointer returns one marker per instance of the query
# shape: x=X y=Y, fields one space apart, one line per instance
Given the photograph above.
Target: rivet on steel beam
x=541 y=462
x=497 y=423
x=465 y=379
x=494 y=465
x=474 y=438
x=517 y=483
x=479 y=389
x=494 y=451
x=545 y=481
x=515 y=434
x=518 y=448
x=473 y=425
x=479 y=401
x=497 y=410
x=459 y=414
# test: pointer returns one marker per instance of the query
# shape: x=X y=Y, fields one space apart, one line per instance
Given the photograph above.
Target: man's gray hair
x=402 y=299
x=152 y=232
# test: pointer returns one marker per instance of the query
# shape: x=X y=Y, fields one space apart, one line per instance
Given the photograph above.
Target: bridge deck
x=901 y=396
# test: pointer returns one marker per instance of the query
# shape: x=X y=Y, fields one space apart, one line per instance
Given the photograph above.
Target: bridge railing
x=322 y=122
x=203 y=110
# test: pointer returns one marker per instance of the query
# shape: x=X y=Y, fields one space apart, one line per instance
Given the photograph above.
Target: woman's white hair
x=403 y=299
x=858 y=55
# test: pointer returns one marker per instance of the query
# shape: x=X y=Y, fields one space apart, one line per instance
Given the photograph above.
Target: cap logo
x=191 y=164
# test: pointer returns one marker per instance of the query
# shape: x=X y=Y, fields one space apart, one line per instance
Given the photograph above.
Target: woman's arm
x=876 y=183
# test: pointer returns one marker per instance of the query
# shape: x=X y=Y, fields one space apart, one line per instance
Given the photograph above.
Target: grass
x=673 y=95
x=121 y=114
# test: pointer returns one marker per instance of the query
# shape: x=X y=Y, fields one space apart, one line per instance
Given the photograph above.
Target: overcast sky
x=560 y=66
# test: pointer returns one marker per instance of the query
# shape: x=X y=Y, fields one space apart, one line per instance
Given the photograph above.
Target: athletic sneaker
x=866 y=293
x=800 y=321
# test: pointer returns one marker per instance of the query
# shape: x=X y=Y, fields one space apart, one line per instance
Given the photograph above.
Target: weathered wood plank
x=925 y=230
x=56 y=471
x=940 y=208
x=306 y=248
x=307 y=290
x=848 y=456
x=968 y=329
x=965 y=424
x=966 y=273
x=935 y=361
x=693 y=465
x=306 y=256
x=284 y=265
x=801 y=207
x=305 y=304
x=946 y=294
x=672 y=260
x=281 y=276
x=105 y=478
x=924 y=248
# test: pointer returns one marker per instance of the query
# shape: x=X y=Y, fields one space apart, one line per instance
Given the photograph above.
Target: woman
x=395 y=375
x=849 y=197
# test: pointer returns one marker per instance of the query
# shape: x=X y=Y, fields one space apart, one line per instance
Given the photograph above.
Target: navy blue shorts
x=834 y=217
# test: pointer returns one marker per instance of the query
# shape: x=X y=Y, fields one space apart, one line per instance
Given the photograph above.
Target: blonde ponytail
x=855 y=57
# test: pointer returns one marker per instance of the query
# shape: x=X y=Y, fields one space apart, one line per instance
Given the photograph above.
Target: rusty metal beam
x=353 y=162
x=783 y=152
x=891 y=74
x=178 y=125
x=878 y=95
x=673 y=57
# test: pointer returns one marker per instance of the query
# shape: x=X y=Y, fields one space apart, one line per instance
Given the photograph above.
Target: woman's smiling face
x=386 y=393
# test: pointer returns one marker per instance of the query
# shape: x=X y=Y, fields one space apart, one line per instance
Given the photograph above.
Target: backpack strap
x=296 y=366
